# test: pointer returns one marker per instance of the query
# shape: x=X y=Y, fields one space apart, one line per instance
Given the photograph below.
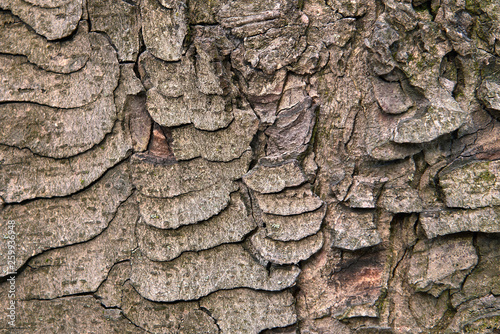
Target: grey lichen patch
x=120 y=21
x=295 y=227
x=440 y=264
x=289 y=252
x=181 y=317
x=353 y=230
x=95 y=258
x=24 y=175
x=56 y=132
x=443 y=222
x=25 y=82
x=292 y=201
x=164 y=29
x=223 y=145
x=53 y=23
x=229 y=226
x=80 y=313
x=184 y=176
x=248 y=311
x=66 y=56
x=194 y=275
x=471 y=185
x=271 y=178
x=64 y=221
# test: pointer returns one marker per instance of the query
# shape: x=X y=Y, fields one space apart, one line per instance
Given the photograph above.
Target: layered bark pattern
x=290 y=166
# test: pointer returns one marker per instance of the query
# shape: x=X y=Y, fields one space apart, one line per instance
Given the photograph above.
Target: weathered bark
x=289 y=166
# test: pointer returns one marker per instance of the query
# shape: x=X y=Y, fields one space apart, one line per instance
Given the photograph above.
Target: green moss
x=485 y=177
x=300 y=4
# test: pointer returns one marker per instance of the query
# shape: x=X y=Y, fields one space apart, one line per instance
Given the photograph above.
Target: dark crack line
x=106 y=279
x=97 y=180
x=133 y=323
x=178 y=301
x=79 y=294
x=393 y=273
x=207 y=312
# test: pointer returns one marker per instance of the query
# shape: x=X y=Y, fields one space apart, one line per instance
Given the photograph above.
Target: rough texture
x=471 y=186
x=477 y=316
x=23 y=81
x=91 y=261
x=26 y=176
x=189 y=276
x=184 y=176
x=224 y=145
x=164 y=28
x=53 y=22
x=80 y=313
x=120 y=21
x=229 y=226
x=67 y=220
x=447 y=222
x=181 y=317
x=441 y=264
x=483 y=280
x=286 y=252
x=289 y=202
x=272 y=178
x=62 y=57
x=231 y=166
x=249 y=311
x=296 y=227
x=55 y=132
x=352 y=229
x=186 y=209
x=109 y=292
x=175 y=98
